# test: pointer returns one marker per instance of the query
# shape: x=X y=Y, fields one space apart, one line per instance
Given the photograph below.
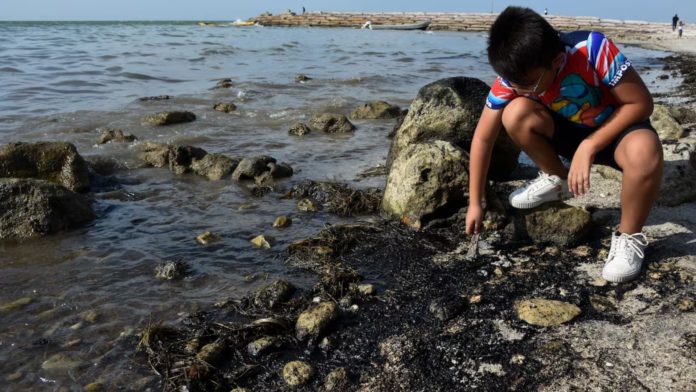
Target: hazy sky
x=650 y=10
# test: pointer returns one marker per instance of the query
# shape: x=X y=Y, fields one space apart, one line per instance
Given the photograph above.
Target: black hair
x=521 y=41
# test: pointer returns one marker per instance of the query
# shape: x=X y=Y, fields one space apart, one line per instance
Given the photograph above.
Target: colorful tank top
x=581 y=92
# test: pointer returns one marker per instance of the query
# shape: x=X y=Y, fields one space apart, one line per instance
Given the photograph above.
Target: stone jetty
x=451 y=21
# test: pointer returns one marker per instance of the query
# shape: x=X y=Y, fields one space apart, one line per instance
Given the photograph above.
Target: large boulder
x=56 y=162
x=554 y=223
x=667 y=127
x=330 y=123
x=31 y=207
x=215 y=166
x=449 y=110
x=376 y=110
x=427 y=181
x=679 y=177
x=683 y=115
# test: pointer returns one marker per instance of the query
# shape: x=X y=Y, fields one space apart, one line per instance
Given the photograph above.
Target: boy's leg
x=639 y=154
x=531 y=127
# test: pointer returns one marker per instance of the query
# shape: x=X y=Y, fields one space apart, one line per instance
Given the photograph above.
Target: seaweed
x=338 y=198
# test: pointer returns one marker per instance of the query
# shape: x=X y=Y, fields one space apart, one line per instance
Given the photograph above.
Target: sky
x=217 y=10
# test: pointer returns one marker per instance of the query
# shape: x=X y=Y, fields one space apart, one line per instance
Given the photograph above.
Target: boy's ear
x=558 y=60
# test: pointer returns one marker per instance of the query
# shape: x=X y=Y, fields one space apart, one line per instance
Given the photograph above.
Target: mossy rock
x=553 y=223
x=115 y=135
x=225 y=107
x=15 y=306
x=298 y=373
x=330 y=123
x=283 y=221
x=215 y=166
x=170 y=118
x=208 y=238
x=313 y=322
x=336 y=380
x=667 y=127
x=299 y=129
x=56 y=162
x=212 y=353
x=546 y=313
x=275 y=293
x=376 y=110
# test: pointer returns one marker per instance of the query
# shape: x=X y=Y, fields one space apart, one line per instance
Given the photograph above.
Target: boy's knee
x=515 y=115
x=643 y=153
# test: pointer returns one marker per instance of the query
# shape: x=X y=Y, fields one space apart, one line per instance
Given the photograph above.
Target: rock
x=546 y=313
x=679 y=177
x=208 y=238
x=298 y=373
x=275 y=293
x=15 y=306
x=495 y=369
x=34 y=208
x=282 y=170
x=156 y=98
x=602 y=304
x=215 y=166
x=376 y=110
x=683 y=115
x=336 y=380
x=115 y=135
x=299 y=129
x=667 y=127
x=172 y=269
x=599 y=282
x=224 y=81
x=90 y=316
x=211 y=353
x=447 y=308
x=397 y=349
x=56 y=162
x=263 y=345
x=313 y=322
x=14 y=377
x=426 y=181
x=552 y=223
x=170 y=118
x=94 y=387
x=156 y=154
x=367 y=289
x=301 y=78
x=449 y=110
x=686 y=305
x=330 y=123
x=687 y=344
x=397 y=125
x=181 y=157
x=225 y=107
x=282 y=222
x=687 y=263
x=264 y=241
x=249 y=168
x=307 y=205
x=59 y=362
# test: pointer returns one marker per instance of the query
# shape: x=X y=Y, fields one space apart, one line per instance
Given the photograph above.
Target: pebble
x=94 y=387
x=336 y=379
x=354 y=308
x=283 y=221
x=14 y=376
x=518 y=359
x=264 y=241
x=72 y=343
x=91 y=316
x=498 y=272
x=208 y=238
x=475 y=299
x=367 y=289
x=77 y=326
x=298 y=373
x=599 y=282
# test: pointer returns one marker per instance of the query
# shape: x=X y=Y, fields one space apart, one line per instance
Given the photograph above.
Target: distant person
x=303 y=10
x=546 y=11
x=681 y=24
x=578 y=97
x=675 y=19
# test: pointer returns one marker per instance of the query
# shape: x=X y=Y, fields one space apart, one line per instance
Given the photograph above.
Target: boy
x=574 y=95
x=681 y=25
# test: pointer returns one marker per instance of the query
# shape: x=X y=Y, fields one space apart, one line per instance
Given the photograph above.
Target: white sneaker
x=537 y=192
x=625 y=257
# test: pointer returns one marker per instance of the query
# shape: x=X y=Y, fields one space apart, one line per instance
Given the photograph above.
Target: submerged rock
x=336 y=380
x=301 y=78
x=299 y=129
x=15 y=306
x=314 y=322
x=56 y=162
x=208 y=238
x=449 y=110
x=172 y=269
x=170 y=118
x=307 y=205
x=330 y=123
x=667 y=127
x=376 y=110
x=223 y=82
x=215 y=166
x=553 y=223
x=59 y=362
x=427 y=181
x=546 y=313
x=115 y=135
x=264 y=241
x=298 y=373
x=249 y=168
x=181 y=157
x=225 y=107
x=281 y=170
x=34 y=207
x=156 y=154
x=156 y=98
x=275 y=293
x=679 y=176
x=283 y=221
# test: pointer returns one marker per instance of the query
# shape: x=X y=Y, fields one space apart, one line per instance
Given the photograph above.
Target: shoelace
x=627 y=241
x=539 y=181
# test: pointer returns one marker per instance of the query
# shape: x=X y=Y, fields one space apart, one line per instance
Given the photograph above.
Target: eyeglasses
x=521 y=90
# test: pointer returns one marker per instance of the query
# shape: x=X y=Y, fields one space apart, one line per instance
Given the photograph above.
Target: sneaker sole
x=620 y=278
x=524 y=205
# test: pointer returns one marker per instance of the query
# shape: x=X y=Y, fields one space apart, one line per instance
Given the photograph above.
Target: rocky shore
x=521 y=308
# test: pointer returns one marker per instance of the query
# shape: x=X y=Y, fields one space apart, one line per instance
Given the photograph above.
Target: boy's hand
x=579 y=174
x=474 y=220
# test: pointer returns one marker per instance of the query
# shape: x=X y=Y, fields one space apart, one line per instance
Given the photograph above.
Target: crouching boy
x=577 y=96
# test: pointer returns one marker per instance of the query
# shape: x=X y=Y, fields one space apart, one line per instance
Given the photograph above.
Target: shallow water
x=61 y=76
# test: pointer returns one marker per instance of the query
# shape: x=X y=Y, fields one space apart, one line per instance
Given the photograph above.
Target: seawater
x=59 y=76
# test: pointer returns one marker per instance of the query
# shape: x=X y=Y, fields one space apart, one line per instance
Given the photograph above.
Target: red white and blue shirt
x=592 y=66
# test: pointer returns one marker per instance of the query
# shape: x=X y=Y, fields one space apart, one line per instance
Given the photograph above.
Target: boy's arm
x=635 y=104
x=480 y=157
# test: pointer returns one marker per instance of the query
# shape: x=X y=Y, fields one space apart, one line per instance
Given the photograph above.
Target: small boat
x=418 y=26
x=239 y=22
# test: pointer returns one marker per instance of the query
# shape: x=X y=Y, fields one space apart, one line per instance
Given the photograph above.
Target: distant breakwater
x=451 y=21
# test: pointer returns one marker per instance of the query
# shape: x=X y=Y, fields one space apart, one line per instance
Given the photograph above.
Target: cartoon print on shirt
x=581 y=103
